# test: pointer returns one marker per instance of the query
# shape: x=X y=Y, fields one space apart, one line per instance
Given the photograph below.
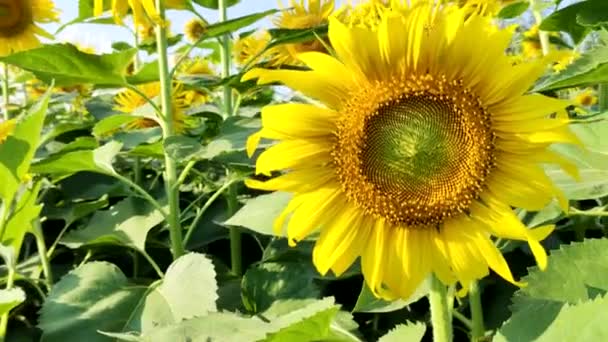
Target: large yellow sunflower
x=128 y=101
x=425 y=139
x=19 y=21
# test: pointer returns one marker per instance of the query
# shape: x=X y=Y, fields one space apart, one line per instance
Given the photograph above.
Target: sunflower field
x=304 y=170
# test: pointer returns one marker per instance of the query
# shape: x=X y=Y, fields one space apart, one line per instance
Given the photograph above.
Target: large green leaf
x=10 y=299
x=301 y=320
x=95 y=296
x=98 y=160
x=22 y=221
x=127 y=223
x=258 y=214
x=188 y=289
x=17 y=151
x=583 y=321
x=367 y=302
x=147 y=73
x=69 y=66
x=405 y=332
x=591 y=68
x=265 y=283
x=577 y=19
x=233 y=137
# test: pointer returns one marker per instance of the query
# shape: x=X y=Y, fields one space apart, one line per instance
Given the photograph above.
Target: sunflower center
x=15 y=16
x=414 y=152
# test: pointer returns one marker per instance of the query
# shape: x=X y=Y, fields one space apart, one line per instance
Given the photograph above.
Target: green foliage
x=258 y=214
x=10 y=299
x=405 y=332
x=589 y=69
x=68 y=66
x=367 y=302
x=95 y=296
x=577 y=19
x=513 y=10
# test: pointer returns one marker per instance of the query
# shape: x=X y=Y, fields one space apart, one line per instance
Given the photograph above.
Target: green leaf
x=213 y=4
x=9 y=299
x=259 y=214
x=513 y=10
x=232 y=25
x=367 y=302
x=591 y=68
x=301 y=320
x=68 y=66
x=127 y=223
x=182 y=148
x=98 y=160
x=233 y=137
x=95 y=296
x=571 y=271
x=564 y=20
x=71 y=212
x=224 y=326
x=265 y=283
x=547 y=322
x=405 y=332
x=17 y=151
x=21 y=222
x=147 y=73
x=111 y=123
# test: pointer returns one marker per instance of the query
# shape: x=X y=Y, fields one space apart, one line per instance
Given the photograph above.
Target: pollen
x=414 y=151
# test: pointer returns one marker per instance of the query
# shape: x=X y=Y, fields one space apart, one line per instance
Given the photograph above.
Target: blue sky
x=102 y=36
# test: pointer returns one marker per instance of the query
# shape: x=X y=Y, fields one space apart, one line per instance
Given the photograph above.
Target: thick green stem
x=225 y=57
x=4 y=319
x=543 y=36
x=170 y=176
x=235 y=234
x=603 y=97
x=5 y=94
x=477 y=329
x=42 y=253
x=440 y=313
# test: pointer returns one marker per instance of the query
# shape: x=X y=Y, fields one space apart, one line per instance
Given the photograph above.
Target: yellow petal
x=298 y=120
x=527 y=107
x=372 y=260
x=294 y=154
x=98 y=8
x=252 y=143
x=300 y=180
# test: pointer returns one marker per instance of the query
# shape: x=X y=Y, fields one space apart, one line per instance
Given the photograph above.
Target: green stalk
x=477 y=329
x=440 y=313
x=175 y=229
x=9 y=285
x=603 y=97
x=43 y=254
x=235 y=234
x=543 y=36
x=5 y=92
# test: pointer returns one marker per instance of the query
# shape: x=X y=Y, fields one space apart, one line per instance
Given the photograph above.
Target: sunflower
x=194 y=29
x=586 y=98
x=302 y=15
x=128 y=101
x=251 y=49
x=144 y=11
x=198 y=67
x=417 y=152
x=6 y=128
x=19 y=21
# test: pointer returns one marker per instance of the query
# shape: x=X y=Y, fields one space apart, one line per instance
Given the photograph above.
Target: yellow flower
x=249 y=49
x=418 y=152
x=366 y=14
x=195 y=67
x=144 y=11
x=194 y=29
x=564 y=59
x=531 y=49
x=586 y=98
x=19 y=21
x=6 y=129
x=128 y=101
x=302 y=16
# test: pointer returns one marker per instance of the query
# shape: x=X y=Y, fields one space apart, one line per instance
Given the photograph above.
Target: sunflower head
x=6 y=128
x=195 y=29
x=19 y=21
x=586 y=98
x=418 y=151
x=249 y=49
x=565 y=58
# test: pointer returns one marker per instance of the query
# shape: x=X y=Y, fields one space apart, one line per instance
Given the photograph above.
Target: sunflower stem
x=543 y=36
x=4 y=319
x=603 y=97
x=170 y=175
x=5 y=94
x=43 y=255
x=477 y=329
x=235 y=234
x=440 y=313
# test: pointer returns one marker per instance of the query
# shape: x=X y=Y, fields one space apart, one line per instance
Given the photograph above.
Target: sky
x=101 y=36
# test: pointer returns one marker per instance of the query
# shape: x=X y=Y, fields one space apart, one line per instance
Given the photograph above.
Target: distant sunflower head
x=19 y=21
x=250 y=48
x=302 y=14
x=129 y=101
x=418 y=152
x=586 y=98
x=194 y=29
x=145 y=13
x=6 y=128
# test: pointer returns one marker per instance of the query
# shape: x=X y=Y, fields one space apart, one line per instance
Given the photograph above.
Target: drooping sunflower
x=144 y=12
x=425 y=139
x=19 y=21
x=129 y=101
x=194 y=29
